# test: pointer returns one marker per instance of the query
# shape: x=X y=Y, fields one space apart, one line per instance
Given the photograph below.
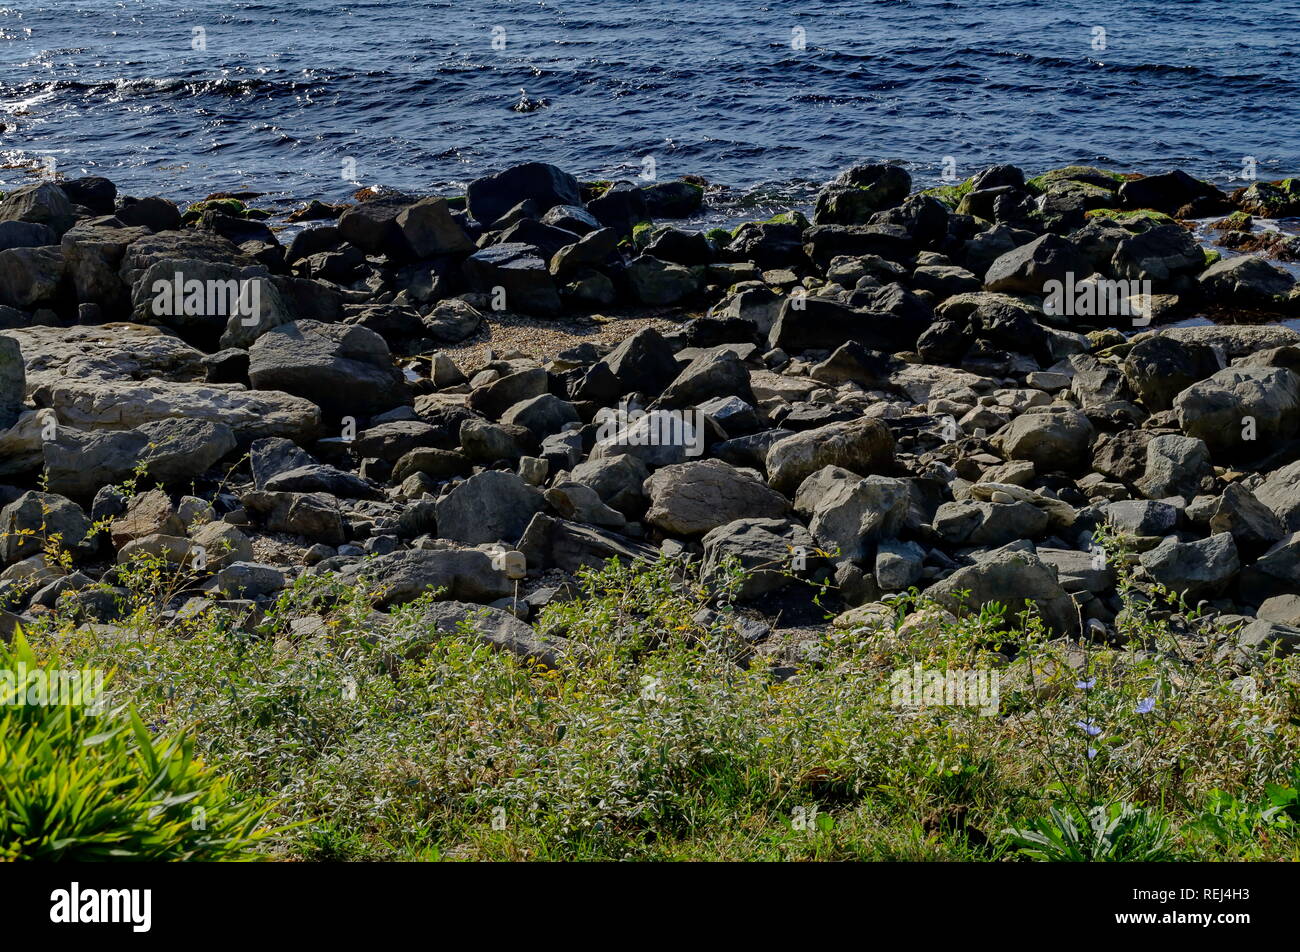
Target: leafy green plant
x=77 y=784
x=1116 y=833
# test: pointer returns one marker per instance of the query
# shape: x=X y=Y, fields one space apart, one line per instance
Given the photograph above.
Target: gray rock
x=713 y=374
x=1052 y=439
x=1141 y=517
x=1241 y=411
x=1282 y=609
x=1246 y=279
x=1160 y=367
x=13 y=382
x=314 y=516
x=1195 y=570
x=45 y=204
x=863 y=446
x=78 y=462
x=1025 y=270
x=468 y=574
x=579 y=503
x=37 y=518
x=989 y=523
x=542 y=415
x=1165 y=255
x=544 y=185
x=658 y=283
x=851 y=513
x=345 y=370
x=772 y=553
x=557 y=543
x=692 y=498
x=1251 y=524
x=491 y=507
x=430 y=230
x=31 y=277
x=492 y=626
x=250 y=580
x=26 y=234
x=1080 y=571
x=503 y=393
x=1176 y=466
x=618 y=480
x=450 y=322
x=1280 y=491
x=93 y=256
x=1266 y=637
x=898 y=564
x=520 y=272
x=1009 y=576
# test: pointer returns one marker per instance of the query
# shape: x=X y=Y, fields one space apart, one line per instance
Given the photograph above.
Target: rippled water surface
x=414 y=93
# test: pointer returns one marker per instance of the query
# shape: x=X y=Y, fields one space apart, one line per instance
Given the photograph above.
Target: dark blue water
x=415 y=93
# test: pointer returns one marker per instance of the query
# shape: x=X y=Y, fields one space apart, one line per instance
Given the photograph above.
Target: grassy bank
x=666 y=735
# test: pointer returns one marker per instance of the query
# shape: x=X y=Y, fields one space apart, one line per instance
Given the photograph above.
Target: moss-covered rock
x=1088 y=174
x=1270 y=200
x=950 y=195
x=226 y=206
x=1139 y=219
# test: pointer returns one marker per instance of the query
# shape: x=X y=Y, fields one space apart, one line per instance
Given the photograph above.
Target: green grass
x=653 y=743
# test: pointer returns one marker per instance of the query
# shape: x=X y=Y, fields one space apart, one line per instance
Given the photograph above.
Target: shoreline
x=885 y=382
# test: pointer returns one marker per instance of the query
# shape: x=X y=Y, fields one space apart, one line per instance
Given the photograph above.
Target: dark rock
x=492 y=196
x=344 y=370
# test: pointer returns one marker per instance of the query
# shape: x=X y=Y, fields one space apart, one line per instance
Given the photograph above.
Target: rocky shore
x=962 y=390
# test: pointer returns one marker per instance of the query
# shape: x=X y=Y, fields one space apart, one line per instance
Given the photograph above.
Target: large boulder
x=345 y=370
x=568 y=546
x=208 y=303
x=643 y=363
x=93 y=256
x=519 y=272
x=1246 y=280
x=1167 y=192
x=1176 y=466
x=545 y=185
x=618 y=480
x=1280 y=491
x=430 y=230
x=372 y=226
x=1242 y=411
x=772 y=552
x=864 y=447
x=1027 y=269
x=852 y=513
x=1009 y=576
x=1195 y=570
x=470 y=574
x=658 y=283
x=171 y=451
x=692 y=498
x=712 y=374
x=37 y=519
x=117 y=404
x=1166 y=255
x=45 y=204
x=125 y=352
x=493 y=506
x=13 y=382
x=1159 y=368
x=1053 y=439
x=815 y=323
x=858 y=193
x=31 y=277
